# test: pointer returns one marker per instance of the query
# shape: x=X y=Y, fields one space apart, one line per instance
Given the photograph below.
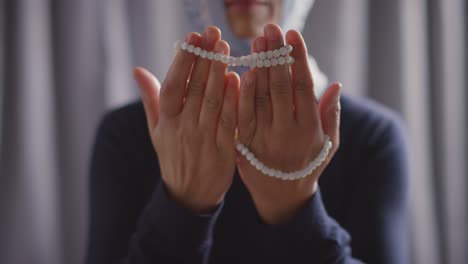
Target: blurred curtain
x=63 y=63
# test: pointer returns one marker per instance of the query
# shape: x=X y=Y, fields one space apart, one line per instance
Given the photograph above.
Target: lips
x=244 y=4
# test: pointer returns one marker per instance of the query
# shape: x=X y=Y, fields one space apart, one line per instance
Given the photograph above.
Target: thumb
x=330 y=108
x=149 y=90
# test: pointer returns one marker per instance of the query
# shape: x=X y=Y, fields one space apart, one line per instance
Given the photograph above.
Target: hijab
x=293 y=15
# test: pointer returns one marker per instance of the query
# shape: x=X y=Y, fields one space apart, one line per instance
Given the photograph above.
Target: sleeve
x=311 y=236
x=376 y=212
x=377 y=217
x=168 y=233
x=121 y=230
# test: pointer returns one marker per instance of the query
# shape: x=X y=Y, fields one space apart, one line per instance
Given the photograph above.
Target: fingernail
x=271 y=33
x=220 y=47
x=231 y=81
x=207 y=37
x=336 y=101
x=296 y=37
x=339 y=93
x=192 y=37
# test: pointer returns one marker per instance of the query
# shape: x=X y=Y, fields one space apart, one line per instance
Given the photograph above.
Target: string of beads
x=262 y=59
x=295 y=175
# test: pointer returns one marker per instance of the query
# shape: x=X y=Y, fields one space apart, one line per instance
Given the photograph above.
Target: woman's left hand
x=280 y=121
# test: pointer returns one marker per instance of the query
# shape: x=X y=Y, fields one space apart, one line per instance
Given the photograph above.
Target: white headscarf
x=202 y=13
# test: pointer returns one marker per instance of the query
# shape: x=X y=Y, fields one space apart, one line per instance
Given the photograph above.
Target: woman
x=168 y=186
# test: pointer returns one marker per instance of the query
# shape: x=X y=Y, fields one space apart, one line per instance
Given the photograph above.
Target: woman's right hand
x=192 y=122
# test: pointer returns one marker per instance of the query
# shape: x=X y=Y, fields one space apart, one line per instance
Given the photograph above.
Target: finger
x=280 y=80
x=149 y=90
x=228 y=117
x=262 y=92
x=173 y=87
x=246 y=117
x=330 y=113
x=213 y=98
x=303 y=85
x=199 y=75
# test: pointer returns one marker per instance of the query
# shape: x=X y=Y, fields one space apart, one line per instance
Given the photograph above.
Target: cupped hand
x=192 y=122
x=280 y=121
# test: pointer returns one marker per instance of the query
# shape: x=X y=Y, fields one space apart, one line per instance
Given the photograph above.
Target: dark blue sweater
x=363 y=196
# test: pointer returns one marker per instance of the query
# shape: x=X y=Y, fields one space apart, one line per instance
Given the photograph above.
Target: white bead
x=297 y=175
x=184 y=45
x=190 y=48
x=239 y=147
x=269 y=54
x=267 y=63
x=276 y=173
x=264 y=170
x=270 y=172
x=274 y=62
x=262 y=55
x=224 y=59
x=244 y=61
x=281 y=61
x=254 y=56
x=197 y=51
x=259 y=166
x=252 y=64
x=322 y=156
x=289 y=59
x=249 y=156
x=210 y=55
x=254 y=161
x=292 y=176
x=289 y=48
x=217 y=57
x=282 y=175
x=276 y=53
x=232 y=61
x=248 y=63
x=323 y=152
x=236 y=62
x=244 y=151
x=203 y=54
x=259 y=63
x=283 y=51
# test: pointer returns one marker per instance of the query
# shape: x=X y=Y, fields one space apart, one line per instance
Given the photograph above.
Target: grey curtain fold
x=79 y=66
x=448 y=66
x=29 y=198
x=64 y=63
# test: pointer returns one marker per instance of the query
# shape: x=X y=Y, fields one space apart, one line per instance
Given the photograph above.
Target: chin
x=247 y=28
